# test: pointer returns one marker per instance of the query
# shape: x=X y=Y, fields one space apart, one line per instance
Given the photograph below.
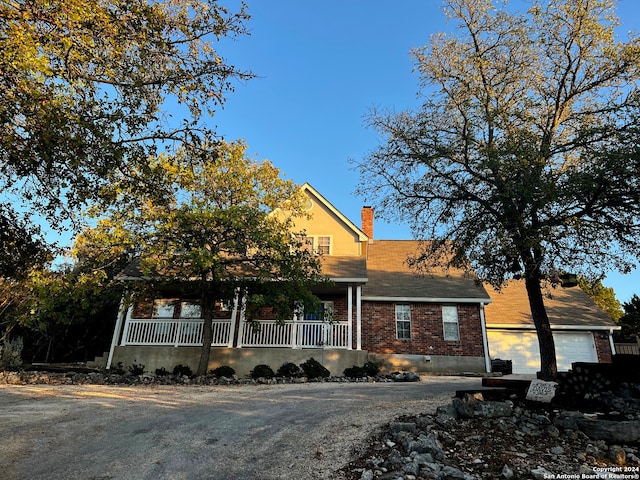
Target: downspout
x=485 y=341
x=116 y=331
x=612 y=345
x=359 y=317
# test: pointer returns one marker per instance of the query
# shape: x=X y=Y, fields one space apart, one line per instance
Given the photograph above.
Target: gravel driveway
x=295 y=431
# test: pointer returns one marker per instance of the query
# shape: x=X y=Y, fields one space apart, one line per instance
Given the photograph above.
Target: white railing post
x=127 y=325
x=241 y=325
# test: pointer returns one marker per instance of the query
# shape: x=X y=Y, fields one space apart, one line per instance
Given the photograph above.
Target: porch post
x=241 y=320
x=234 y=318
x=485 y=340
x=350 y=316
x=359 y=317
x=116 y=330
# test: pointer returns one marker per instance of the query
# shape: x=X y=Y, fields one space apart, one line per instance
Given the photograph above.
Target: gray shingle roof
x=391 y=277
x=569 y=307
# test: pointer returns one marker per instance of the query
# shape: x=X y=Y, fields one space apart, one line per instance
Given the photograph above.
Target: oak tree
x=91 y=88
x=223 y=223
x=524 y=155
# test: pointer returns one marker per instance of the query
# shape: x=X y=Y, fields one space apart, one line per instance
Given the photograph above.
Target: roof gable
x=346 y=223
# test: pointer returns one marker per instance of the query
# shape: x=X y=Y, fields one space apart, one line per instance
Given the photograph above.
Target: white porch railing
x=176 y=332
x=188 y=332
x=298 y=334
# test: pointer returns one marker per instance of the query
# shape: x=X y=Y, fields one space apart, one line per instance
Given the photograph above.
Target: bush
x=314 y=369
x=372 y=369
x=136 y=369
x=223 y=371
x=262 y=371
x=161 y=372
x=354 y=372
x=117 y=369
x=182 y=370
x=11 y=354
x=288 y=369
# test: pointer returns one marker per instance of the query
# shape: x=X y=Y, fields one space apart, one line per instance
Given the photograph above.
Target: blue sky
x=322 y=66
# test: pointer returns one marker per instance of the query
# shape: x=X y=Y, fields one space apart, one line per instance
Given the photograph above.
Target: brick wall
x=603 y=347
x=379 y=330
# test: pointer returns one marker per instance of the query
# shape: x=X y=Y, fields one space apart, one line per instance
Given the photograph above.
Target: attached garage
x=521 y=347
x=581 y=330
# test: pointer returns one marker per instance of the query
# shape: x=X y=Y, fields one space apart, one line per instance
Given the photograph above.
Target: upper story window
x=450 y=323
x=403 y=322
x=318 y=244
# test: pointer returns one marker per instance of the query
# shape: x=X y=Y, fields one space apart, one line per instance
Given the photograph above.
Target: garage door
x=521 y=347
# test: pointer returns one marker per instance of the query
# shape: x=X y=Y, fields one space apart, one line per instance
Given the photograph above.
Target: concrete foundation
x=242 y=360
x=427 y=363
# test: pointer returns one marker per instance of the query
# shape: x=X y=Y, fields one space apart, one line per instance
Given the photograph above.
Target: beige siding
x=324 y=222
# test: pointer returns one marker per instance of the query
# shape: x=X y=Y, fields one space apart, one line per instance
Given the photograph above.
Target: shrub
x=182 y=370
x=314 y=369
x=288 y=369
x=372 y=369
x=354 y=372
x=11 y=354
x=262 y=371
x=117 y=369
x=136 y=369
x=161 y=372
x=223 y=371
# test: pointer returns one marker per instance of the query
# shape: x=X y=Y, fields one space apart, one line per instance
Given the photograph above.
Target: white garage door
x=521 y=347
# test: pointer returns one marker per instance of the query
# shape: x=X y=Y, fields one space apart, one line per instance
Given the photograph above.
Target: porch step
x=99 y=362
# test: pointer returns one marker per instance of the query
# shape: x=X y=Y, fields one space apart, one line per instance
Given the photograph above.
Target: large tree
x=222 y=223
x=92 y=88
x=524 y=157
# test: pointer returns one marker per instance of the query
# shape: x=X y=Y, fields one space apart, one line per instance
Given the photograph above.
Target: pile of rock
x=476 y=439
x=106 y=378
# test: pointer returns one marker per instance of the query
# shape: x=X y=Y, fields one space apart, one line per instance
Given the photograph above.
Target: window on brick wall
x=403 y=321
x=450 y=322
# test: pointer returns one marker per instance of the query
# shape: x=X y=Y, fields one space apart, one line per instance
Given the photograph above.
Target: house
x=582 y=331
x=376 y=308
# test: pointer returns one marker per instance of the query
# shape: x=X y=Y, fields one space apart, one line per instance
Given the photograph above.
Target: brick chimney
x=367 y=221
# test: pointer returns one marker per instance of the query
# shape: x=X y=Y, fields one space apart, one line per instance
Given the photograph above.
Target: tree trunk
x=548 y=365
x=207 y=305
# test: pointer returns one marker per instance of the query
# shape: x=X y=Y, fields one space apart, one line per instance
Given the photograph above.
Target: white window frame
x=312 y=242
x=403 y=316
x=450 y=323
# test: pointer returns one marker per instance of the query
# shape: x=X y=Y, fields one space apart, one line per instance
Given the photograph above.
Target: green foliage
x=83 y=89
x=224 y=222
x=11 y=354
x=354 y=372
x=604 y=297
x=630 y=321
x=223 y=371
x=314 y=369
x=182 y=370
x=262 y=371
x=369 y=369
x=136 y=369
x=117 y=369
x=162 y=372
x=289 y=369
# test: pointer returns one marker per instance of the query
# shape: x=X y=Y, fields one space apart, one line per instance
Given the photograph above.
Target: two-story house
x=376 y=308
